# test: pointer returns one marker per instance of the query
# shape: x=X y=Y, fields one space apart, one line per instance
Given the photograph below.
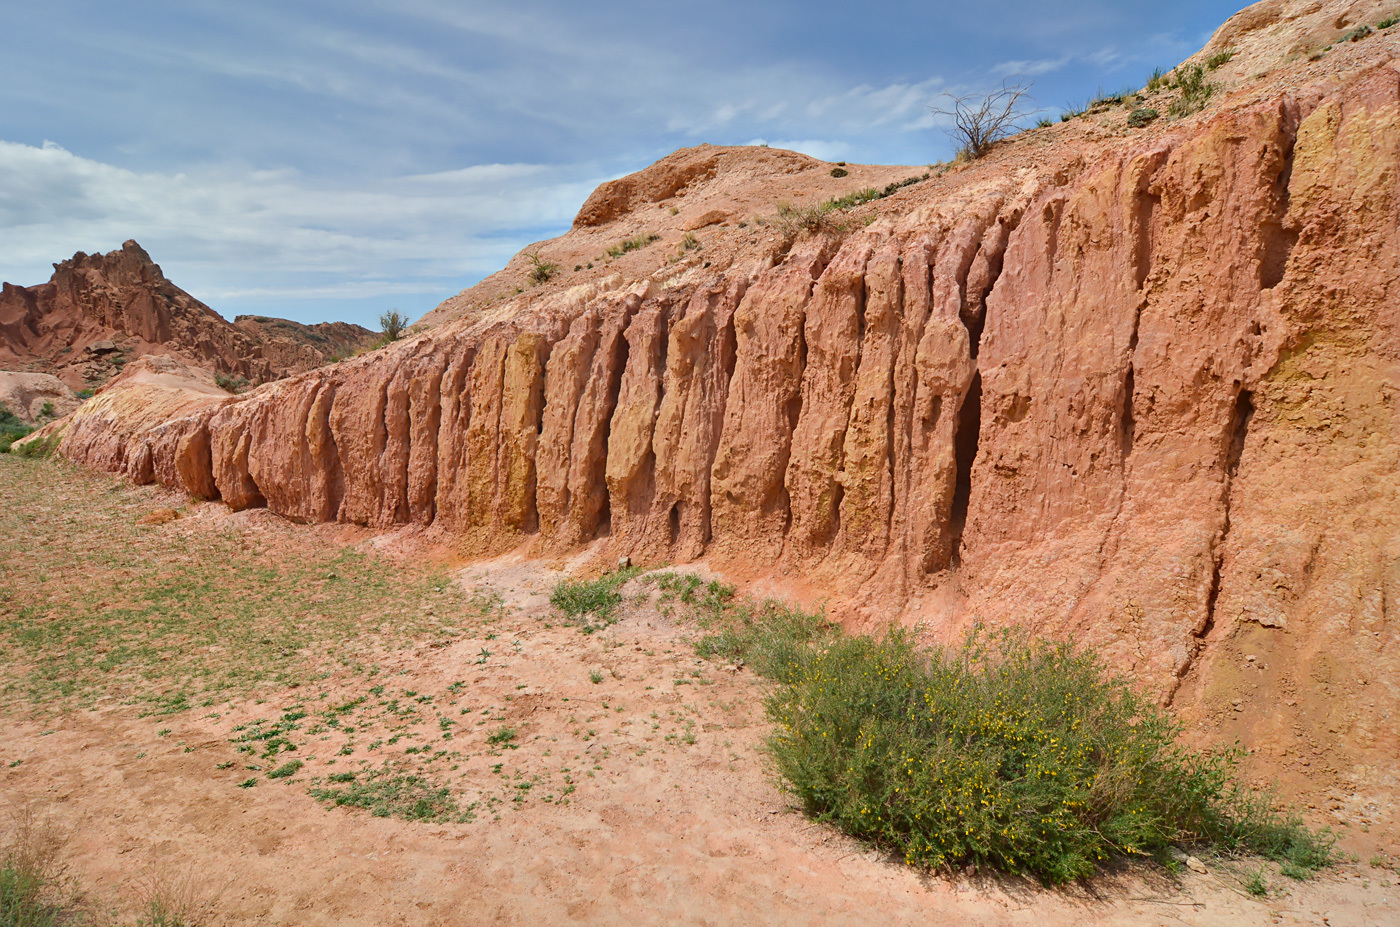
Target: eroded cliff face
x=1139 y=387
x=100 y=311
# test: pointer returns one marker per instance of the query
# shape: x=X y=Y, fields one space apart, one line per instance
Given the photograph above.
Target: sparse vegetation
x=392 y=324
x=690 y=242
x=591 y=604
x=234 y=384
x=1193 y=91
x=635 y=243
x=1143 y=115
x=1358 y=33
x=981 y=122
x=1219 y=59
x=541 y=271
x=385 y=793
x=208 y=617
x=1387 y=22
x=12 y=428
x=839 y=172
x=1017 y=755
x=791 y=220
x=1158 y=81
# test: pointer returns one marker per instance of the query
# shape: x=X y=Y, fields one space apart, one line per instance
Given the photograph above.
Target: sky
x=332 y=160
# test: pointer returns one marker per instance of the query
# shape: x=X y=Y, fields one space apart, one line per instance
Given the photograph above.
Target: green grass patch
x=387 y=793
x=12 y=428
x=24 y=900
x=94 y=604
x=591 y=604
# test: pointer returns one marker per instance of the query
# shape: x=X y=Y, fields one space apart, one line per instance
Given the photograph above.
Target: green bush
x=22 y=898
x=1006 y=753
x=12 y=428
x=1142 y=116
x=1193 y=91
x=1357 y=34
x=1388 y=22
x=839 y=172
x=234 y=384
x=591 y=603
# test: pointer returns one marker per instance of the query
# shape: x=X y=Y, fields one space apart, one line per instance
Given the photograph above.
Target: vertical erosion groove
x=598 y=484
x=965 y=438
x=326 y=450
x=1278 y=235
x=1237 y=436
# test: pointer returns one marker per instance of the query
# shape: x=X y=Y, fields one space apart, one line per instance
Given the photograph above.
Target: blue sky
x=330 y=160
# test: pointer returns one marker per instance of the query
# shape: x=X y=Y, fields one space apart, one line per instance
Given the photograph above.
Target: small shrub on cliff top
x=1193 y=91
x=1142 y=116
x=230 y=383
x=979 y=122
x=541 y=271
x=839 y=172
x=392 y=324
x=635 y=243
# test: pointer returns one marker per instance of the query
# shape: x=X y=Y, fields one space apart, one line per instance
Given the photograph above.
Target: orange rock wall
x=1146 y=397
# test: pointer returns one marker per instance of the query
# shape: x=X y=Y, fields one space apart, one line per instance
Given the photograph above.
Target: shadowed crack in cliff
x=1238 y=434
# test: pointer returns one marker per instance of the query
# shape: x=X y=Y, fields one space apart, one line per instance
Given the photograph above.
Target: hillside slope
x=1131 y=383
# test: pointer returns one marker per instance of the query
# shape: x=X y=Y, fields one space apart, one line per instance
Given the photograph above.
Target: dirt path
x=630 y=789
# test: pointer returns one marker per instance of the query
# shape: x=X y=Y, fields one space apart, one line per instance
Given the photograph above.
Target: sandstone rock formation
x=1134 y=385
x=35 y=397
x=100 y=311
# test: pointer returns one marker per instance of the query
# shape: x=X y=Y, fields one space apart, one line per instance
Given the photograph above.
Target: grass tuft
x=591 y=604
x=386 y=793
x=1193 y=91
x=1219 y=59
x=635 y=243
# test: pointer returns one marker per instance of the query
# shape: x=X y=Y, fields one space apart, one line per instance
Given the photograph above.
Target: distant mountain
x=100 y=311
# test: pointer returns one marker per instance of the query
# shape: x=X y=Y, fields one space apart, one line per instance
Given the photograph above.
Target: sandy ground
x=658 y=830
x=631 y=789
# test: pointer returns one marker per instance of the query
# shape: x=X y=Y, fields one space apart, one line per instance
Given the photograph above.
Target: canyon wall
x=1142 y=390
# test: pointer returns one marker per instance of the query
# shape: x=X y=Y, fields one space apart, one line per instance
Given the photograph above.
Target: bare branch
x=979 y=122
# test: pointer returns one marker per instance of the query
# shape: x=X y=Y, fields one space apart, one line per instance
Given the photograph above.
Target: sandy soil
x=633 y=791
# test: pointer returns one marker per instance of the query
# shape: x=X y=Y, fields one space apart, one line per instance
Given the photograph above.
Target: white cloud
x=379 y=236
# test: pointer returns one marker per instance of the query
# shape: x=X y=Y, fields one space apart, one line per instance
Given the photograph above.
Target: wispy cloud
x=276 y=154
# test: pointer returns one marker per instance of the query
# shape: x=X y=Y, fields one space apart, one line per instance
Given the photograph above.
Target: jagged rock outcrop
x=100 y=311
x=1133 y=385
